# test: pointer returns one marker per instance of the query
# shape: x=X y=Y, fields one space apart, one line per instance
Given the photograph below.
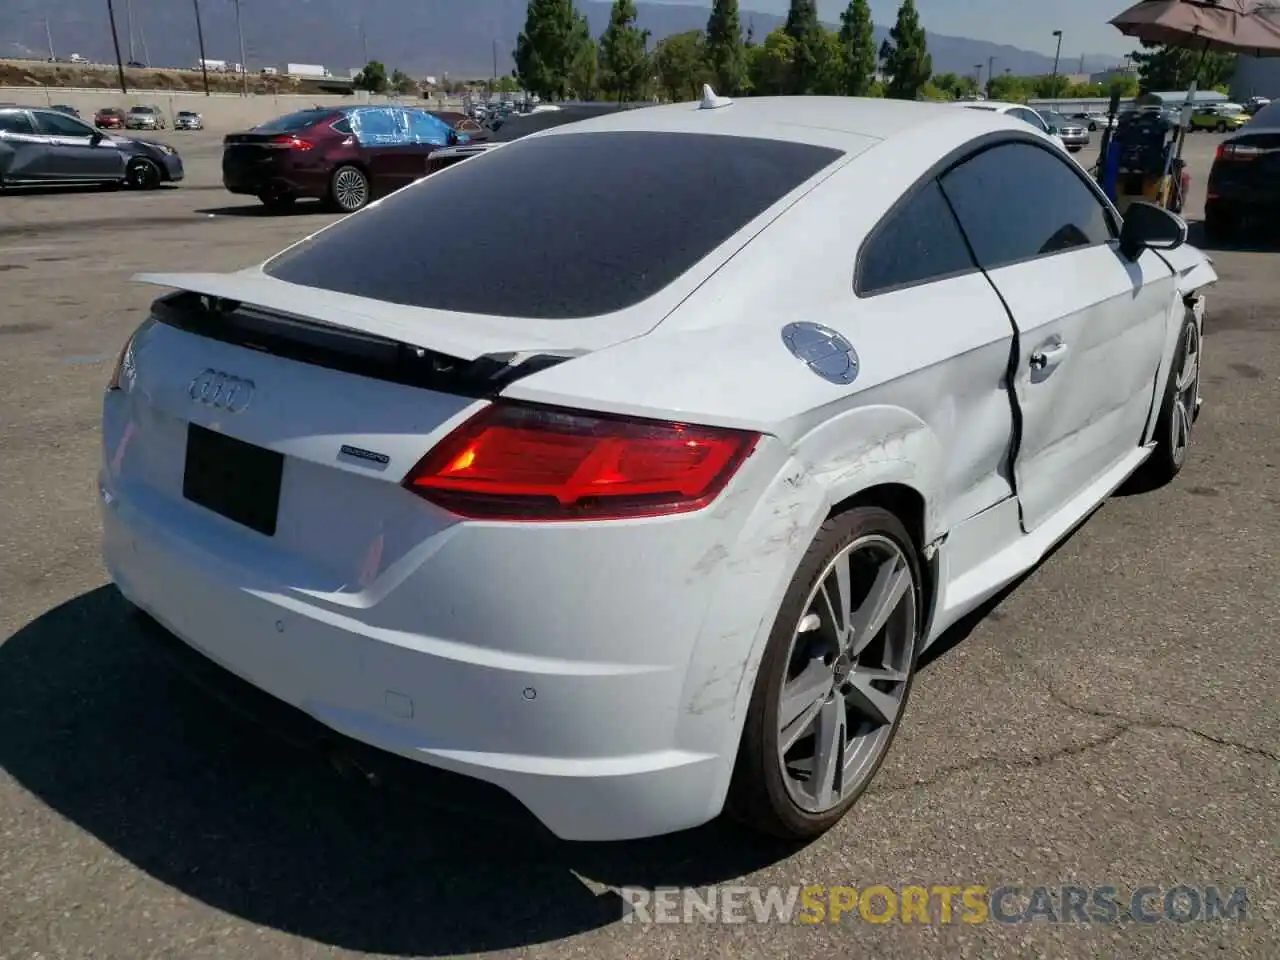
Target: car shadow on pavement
x=96 y=723
x=260 y=210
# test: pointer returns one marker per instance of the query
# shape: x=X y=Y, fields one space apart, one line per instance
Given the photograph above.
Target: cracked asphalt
x=1111 y=721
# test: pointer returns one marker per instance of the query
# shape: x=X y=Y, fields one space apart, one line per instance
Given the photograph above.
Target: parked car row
x=349 y=156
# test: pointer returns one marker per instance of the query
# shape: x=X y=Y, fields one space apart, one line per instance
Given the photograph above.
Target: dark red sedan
x=346 y=156
x=109 y=118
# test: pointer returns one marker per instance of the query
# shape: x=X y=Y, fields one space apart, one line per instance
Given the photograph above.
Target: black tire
x=349 y=189
x=758 y=796
x=1222 y=128
x=143 y=174
x=278 y=202
x=1074 y=149
x=1170 y=455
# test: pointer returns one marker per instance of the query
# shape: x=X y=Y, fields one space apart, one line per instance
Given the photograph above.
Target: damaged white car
x=631 y=467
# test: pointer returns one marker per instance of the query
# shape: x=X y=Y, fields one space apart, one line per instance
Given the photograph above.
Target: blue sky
x=1028 y=24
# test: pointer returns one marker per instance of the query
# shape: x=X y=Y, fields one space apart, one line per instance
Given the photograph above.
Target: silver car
x=144 y=118
x=1073 y=133
x=188 y=120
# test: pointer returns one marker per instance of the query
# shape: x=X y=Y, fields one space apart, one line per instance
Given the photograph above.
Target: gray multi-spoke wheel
x=350 y=189
x=1179 y=408
x=835 y=678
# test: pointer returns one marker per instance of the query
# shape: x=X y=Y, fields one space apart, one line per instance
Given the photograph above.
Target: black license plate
x=233 y=479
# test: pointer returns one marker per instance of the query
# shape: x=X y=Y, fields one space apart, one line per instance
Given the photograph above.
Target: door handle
x=1048 y=356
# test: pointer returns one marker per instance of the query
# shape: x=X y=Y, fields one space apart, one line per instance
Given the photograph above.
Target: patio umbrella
x=1249 y=27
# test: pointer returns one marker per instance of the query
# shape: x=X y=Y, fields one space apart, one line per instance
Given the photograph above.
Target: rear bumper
x=255 y=182
x=447 y=705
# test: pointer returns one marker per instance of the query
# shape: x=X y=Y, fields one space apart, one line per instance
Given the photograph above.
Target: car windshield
x=293 y=122
x=141 y=110
x=618 y=216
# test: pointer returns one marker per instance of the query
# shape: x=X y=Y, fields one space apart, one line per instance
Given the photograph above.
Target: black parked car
x=1244 y=181
x=46 y=147
x=66 y=108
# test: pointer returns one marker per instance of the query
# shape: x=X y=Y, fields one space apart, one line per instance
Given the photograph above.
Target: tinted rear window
x=292 y=122
x=575 y=225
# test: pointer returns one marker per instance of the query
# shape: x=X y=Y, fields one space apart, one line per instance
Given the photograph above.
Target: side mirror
x=96 y=138
x=1147 y=226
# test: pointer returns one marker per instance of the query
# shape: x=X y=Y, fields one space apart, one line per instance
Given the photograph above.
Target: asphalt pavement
x=1112 y=721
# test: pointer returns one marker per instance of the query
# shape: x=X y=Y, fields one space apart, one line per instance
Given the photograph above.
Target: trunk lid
x=288 y=472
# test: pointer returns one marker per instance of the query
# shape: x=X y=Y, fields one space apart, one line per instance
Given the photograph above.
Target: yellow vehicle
x=1223 y=118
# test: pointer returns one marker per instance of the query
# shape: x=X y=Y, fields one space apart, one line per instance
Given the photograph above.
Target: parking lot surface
x=1113 y=721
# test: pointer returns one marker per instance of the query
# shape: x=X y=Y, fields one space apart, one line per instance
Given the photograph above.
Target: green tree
x=1126 y=85
x=724 y=48
x=831 y=79
x=624 y=64
x=401 y=82
x=770 y=64
x=681 y=65
x=372 y=78
x=857 y=49
x=584 y=71
x=1164 y=68
x=546 y=48
x=809 y=36
x=1049 y=87
x=1008 y=88
x=906 y=55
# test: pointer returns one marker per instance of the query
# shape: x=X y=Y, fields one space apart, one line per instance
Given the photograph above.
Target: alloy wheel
x=848 y=670
x=350 y=189
x=1186 y=391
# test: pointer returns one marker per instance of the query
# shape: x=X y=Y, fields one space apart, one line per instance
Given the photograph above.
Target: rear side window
x=343 y=126
x=16 y=123
x=293 y=122
x=574 y=225
x=919 y=241
x=1017 y=201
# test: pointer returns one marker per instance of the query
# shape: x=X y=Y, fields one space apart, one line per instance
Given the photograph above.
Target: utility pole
x=204 y=65
x=364 y=40
x=991 y=73
x=244 y=64
x=495 y=61
x=128 y=19
x=977 y=76
x=115 y=39
x=1053 y=88
x=48 y=33
x=142 y=36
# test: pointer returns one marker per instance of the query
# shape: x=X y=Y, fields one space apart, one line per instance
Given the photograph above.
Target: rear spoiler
x=436 y=331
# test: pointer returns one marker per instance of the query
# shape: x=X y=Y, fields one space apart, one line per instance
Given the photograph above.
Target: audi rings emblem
x=220 y=390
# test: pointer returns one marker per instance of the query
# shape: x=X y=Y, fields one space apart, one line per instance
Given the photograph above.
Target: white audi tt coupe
x=631 y=467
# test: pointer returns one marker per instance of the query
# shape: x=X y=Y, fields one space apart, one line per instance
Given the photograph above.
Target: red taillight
x=1236 y=151
x=524 y=462
x=292 y=143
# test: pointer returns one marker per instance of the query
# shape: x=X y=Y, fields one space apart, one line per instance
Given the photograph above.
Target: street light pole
x=991 y=73
x=204 y=65
x=1057 y=56
x=244 y=64
x=115 y=39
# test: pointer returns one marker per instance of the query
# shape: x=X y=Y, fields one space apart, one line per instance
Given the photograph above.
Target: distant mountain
x=422 y=37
